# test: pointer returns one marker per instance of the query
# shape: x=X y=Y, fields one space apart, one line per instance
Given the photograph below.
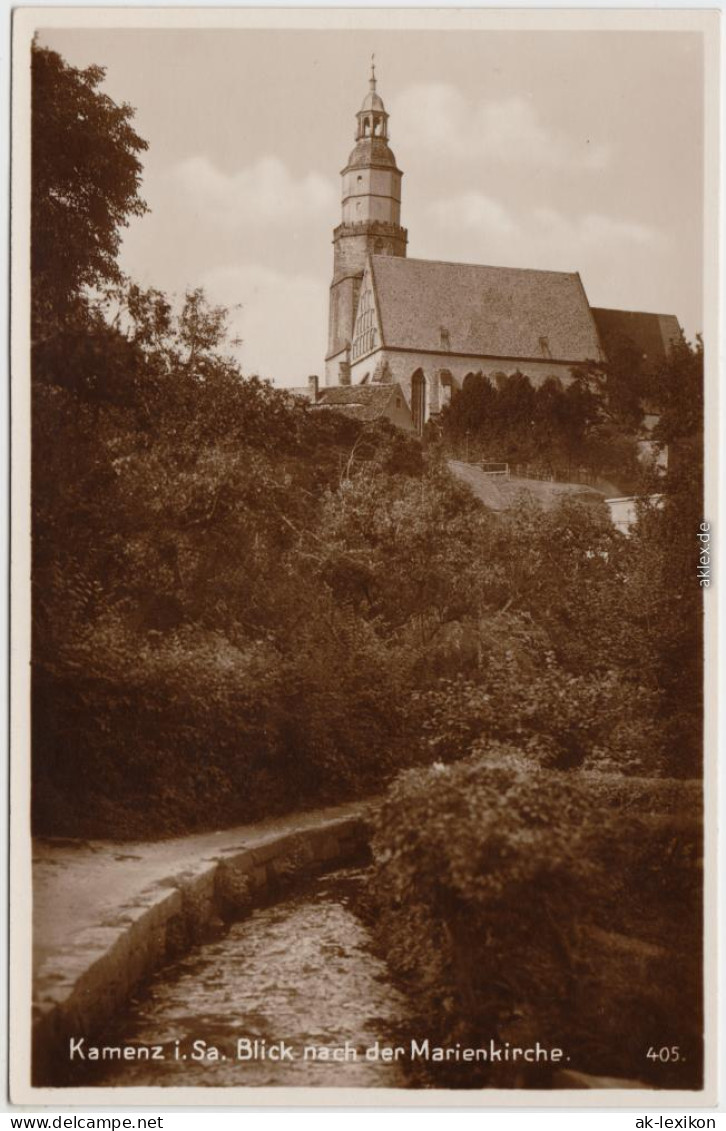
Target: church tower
x=371 y=224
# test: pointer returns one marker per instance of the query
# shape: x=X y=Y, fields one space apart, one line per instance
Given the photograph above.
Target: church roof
x=364 y=402
x=651 y=335
x=483 y=311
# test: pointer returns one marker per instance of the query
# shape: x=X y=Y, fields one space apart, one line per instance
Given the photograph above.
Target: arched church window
x=418 y=400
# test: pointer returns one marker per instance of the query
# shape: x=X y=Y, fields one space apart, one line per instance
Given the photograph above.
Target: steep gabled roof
x=364 y=402
x=651 y=335
x=483 y=311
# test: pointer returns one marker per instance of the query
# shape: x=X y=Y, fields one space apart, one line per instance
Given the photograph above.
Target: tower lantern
x=372 y=116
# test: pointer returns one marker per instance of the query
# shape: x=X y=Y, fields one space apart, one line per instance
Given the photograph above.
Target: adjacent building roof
x=364 y=402
x=651 y=335
x=483 y=311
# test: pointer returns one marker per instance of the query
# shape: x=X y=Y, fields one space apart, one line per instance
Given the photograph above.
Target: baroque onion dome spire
x=371 y=179
x=370 y=222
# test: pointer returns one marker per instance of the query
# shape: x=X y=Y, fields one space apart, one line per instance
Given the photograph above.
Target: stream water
x=302 y=972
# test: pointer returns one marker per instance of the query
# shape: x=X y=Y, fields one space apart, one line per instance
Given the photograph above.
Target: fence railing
x=494 y=468
x=568 y=474
x=543 y=473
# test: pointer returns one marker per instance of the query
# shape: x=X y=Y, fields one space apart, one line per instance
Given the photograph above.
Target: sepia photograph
x=364 y=464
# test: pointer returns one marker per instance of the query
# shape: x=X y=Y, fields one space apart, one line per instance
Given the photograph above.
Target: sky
x=562 y=150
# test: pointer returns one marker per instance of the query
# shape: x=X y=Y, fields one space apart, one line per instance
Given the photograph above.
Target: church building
x=424 y=325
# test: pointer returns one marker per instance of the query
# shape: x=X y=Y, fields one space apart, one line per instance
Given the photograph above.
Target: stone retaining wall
x=92 y=980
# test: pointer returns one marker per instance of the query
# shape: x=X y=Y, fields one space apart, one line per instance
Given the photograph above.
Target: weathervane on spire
x=373 y=71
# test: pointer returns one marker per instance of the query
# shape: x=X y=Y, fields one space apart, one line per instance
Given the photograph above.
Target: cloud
x=437 y=117
x=623 y=262
x=594 y=230
x=249 y=238
x=263 y=193
x=473 y=211
x=281 y=319
x=540 y=227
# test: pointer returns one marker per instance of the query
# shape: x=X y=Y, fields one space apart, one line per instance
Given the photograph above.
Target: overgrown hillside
x=242 y=607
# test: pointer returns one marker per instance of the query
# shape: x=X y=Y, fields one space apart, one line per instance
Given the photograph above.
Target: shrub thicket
x=240 y=605
x=585 y=425
x=519 y=904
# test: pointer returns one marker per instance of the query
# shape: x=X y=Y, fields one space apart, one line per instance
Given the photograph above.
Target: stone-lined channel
x=302 y=971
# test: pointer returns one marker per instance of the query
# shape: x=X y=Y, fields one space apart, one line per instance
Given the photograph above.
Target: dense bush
x=165 y=732
x=191 y=664
x=561 y=719
x=522 y=905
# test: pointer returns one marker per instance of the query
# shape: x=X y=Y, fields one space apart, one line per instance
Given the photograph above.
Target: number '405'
x=665 y=1054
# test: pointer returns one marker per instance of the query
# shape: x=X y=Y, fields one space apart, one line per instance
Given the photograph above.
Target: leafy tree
x=579 y=411
x=678 y=391
x=474 y=408
x=86 y=176
x=618 y=387
x=664 y=599
x=516 y=413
